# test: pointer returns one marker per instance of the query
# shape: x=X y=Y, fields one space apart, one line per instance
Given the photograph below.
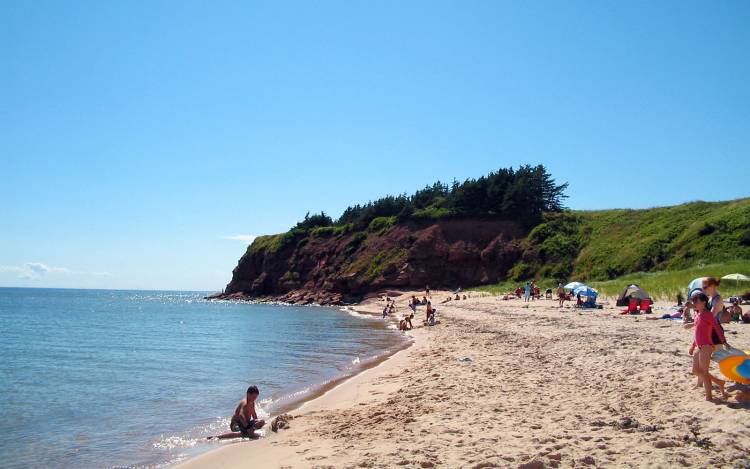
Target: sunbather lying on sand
x=677 y=315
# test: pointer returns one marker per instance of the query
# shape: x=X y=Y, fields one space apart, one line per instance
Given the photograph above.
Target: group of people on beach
x=708 y=307
x=404 y=323
x=530 y=291
x=429 y=319
x=414 y=302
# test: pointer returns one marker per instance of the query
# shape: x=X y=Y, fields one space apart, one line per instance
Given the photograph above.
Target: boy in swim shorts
x=245 y=420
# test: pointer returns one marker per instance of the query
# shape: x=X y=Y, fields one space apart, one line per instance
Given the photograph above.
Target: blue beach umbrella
x=573 y=285
x=585 y=290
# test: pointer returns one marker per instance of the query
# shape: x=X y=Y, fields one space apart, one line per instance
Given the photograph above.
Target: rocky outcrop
x=329 y=266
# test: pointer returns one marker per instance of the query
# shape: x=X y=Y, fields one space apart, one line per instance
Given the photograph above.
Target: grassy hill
x=666 y=284
x=606 y=244
x=621 y=241
x=663 y=247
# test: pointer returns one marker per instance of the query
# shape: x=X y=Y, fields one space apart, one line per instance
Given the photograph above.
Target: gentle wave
x=355 y=314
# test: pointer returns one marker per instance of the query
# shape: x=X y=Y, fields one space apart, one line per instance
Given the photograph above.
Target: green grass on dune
x=607 y=244
x=663 y=285
x=663 y=238
x=667 y=284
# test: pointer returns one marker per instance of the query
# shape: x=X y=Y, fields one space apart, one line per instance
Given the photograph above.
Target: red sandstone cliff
x=330 y=268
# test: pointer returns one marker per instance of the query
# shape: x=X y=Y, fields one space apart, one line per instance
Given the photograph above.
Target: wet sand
x=498 y=384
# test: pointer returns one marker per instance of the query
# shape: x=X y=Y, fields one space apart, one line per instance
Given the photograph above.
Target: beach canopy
x=573 y=285
x=632 y=291
x=737 y=277
x=585 y=290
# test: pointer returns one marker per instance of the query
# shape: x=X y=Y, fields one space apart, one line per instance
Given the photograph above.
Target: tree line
x=523 y=195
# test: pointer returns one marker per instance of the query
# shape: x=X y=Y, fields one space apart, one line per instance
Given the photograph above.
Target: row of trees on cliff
x=522 y=195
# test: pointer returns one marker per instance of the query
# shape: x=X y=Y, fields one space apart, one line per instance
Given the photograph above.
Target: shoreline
x=321 y=393
x=324 y=388
x=507 y=384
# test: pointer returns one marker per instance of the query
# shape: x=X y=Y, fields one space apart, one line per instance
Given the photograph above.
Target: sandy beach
x=499 y=384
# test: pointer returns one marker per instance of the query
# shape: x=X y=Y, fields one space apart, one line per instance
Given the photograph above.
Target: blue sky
x=137 y=138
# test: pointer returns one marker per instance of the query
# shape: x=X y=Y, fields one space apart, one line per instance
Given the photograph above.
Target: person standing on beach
x=716 y=306
x=560 y=294
x=526 y=292
x=427 y=291
x=705 y=327
x=715 y=302
x=429 y=312
x=245 y=419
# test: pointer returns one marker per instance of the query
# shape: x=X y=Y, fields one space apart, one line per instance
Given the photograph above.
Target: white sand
x=544 y=388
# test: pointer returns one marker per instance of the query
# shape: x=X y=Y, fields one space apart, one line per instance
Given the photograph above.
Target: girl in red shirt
x=705 y=328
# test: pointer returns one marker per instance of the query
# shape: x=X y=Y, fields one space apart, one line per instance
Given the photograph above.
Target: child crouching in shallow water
x=705 y=328
x=245 y=419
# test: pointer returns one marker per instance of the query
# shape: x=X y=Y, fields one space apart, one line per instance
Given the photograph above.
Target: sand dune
x=500 y=385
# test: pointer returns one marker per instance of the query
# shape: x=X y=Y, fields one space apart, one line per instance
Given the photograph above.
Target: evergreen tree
x=523 y=195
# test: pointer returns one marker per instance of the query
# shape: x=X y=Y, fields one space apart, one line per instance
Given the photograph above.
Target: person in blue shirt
x=526 y=292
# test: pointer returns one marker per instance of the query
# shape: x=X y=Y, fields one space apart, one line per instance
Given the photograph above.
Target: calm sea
x=102 y=378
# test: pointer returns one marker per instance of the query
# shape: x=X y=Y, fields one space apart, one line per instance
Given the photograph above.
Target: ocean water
x=101 y=378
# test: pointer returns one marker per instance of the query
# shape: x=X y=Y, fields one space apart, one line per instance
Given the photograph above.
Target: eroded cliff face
x=333 y=268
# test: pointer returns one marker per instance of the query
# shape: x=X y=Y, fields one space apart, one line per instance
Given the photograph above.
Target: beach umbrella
x=585 y=290
x=573 y=285
x=737 y=278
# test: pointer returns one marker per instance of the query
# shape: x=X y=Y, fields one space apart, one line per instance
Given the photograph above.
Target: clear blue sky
x=137 y=137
